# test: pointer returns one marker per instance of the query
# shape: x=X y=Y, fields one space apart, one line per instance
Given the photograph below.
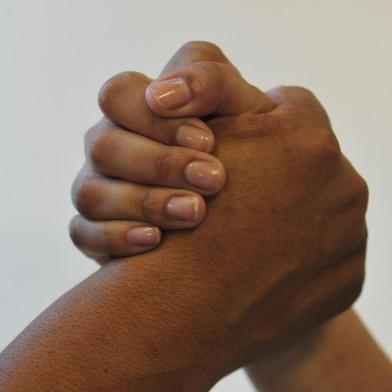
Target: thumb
x=201 y=81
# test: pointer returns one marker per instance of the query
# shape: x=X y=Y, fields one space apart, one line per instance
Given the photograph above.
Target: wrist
x=297 y=368
x=338 y=356
x=141 y=324
x=182 y=297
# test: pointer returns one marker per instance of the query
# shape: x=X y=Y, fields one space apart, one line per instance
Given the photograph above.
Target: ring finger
x=115 y=152
x=102 y=198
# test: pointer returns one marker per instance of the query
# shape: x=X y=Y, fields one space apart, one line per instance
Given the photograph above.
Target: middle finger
x=115 y=152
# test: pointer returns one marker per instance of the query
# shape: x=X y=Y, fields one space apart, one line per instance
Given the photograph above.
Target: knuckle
x=320 y=152
x=363 y=193
x=208 y=49
x=363 y=238
x=107 y=239
x=293 y=112
x=327 y=152
x=294 y=91
x=113 y=87
x=207 y=76
x=357 y=191
x=163 y=165
x=352 y=285
x=283 y=90
x=301 y=102
x=150 y=207
x=90 y=135
x=86 y=196
x=94 y=132
x=107 y=92
x=356 y=283
x=102 y=148
x=320 y=159
x=360 y=196
x=329 y=162
x=301 y=92
x=324 y=144
x=75 y=231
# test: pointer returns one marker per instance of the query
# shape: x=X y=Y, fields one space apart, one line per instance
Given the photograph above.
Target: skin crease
x=190 y=287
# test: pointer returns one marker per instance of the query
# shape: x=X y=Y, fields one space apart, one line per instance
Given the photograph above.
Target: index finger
x=122 y=100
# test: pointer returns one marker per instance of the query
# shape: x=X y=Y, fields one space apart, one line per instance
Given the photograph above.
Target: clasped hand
x=278 y=212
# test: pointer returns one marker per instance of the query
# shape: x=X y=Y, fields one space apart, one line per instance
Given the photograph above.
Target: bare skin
x=131 y=326
x=289 y=369
x=340 y=356
x=284 y=266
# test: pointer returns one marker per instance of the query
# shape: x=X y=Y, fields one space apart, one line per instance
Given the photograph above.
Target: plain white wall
x=56 y=54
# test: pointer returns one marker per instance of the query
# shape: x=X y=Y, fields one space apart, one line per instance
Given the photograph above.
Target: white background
x=56 y=54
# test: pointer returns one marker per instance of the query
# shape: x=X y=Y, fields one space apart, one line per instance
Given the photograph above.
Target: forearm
x=339 y=356
x=132 y=325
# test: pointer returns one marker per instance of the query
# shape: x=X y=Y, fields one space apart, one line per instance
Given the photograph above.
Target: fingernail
x=206 y=175
x=190 y=136
x=185 y=208
x=170 y=94
x=144 y=236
